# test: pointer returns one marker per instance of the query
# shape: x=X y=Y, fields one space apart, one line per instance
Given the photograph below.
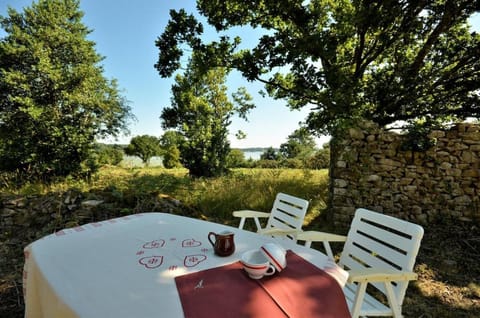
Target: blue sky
x=125 y=32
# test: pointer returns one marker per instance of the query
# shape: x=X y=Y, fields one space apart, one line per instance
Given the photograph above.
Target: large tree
x=383 y=61
x=54 y=99
x=201 y=112
x=145 y=147
x=300 y=144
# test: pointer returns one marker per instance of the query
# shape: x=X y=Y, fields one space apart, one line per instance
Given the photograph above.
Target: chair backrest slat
x=381 y=241
x=288 y=212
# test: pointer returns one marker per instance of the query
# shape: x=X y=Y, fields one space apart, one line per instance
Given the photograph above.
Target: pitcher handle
x=209 y=238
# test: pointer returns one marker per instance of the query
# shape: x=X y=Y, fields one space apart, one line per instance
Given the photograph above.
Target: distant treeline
x=253 y=149
x=256 y=149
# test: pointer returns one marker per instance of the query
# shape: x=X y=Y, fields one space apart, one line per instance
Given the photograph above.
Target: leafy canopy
x=201 y=112
x=171 y=142
x=383 y=61
x=145 y=147
x=270 y=154
x=300 y=144
x=54 y=100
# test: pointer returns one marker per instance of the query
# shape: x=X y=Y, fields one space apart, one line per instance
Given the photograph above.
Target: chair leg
x=357 y=303
x=257 y=223
x=242 y=223
x=326 y=246
x=392 y=301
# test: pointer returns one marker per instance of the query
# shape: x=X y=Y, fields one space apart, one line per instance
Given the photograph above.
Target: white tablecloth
x=125 y=267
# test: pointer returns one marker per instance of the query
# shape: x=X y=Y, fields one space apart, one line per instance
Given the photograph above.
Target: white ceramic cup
x=256 y=264
x=275 y=254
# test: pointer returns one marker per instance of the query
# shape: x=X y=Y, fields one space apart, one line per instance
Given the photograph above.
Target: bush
x=236 y=159
x=292 y=163
x=268 y=164
x=108 y=154
x=321 y=160
x=171 y=158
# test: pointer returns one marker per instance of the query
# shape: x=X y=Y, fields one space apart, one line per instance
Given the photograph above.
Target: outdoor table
x=129 y=266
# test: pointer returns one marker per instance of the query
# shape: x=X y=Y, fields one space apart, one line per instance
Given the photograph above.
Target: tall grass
x=256 y=189
x=214 y=198
x=129 y=190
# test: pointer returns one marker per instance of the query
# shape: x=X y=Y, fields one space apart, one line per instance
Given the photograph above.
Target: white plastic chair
x=379 y=250
x=285 y=218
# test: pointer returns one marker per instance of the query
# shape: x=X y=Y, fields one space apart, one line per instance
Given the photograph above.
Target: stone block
x=390 y=162
x=445 y=165
x=436 y=134
x=385 y=168
x=422 y=218
x=371 y=138
x=453 y=172
x=341 y=164
x=406 y=181
x=411 y=188
x=457 y=191
x=469 y=157
x=92 y=203
x=472 y=173
x=340 y=191
x=388 y=137
x=340 y=183
x=462 y=200
x=471 y=136
x=417 y=210
x=356 y=133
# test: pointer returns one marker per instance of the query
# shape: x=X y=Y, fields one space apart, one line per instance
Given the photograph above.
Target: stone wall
x=370 y=170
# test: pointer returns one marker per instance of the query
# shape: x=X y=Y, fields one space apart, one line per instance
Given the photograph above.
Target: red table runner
x=300 y=290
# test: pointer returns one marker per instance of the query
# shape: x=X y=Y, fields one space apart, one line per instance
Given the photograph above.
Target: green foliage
x=270 y=154
x=171 y=138
x=417 y=138
x=320 y=160
x=145 y=147
x=292 y=163
x=201 y=112
x=236 y=159
x=300 y=144
x=267 y=164
x=108 y=154
x=54 y=100
x=171 y=157
x=382 y=61
x=171 y=142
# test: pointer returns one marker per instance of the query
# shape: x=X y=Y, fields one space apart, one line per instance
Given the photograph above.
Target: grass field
x=448 y=264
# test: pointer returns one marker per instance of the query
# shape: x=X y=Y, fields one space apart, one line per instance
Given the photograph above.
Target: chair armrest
x=314 y=236
x=244 y=214
x=250 y=214
x=379 y=275
x=276 y=231
x=325 y=238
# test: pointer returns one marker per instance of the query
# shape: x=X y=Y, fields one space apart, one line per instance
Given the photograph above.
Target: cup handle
x=270 y=271
x=209 y=238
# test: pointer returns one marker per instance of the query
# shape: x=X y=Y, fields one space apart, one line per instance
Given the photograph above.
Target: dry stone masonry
x=370 y=170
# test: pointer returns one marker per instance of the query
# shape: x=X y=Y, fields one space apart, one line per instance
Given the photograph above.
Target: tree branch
x=444 y=23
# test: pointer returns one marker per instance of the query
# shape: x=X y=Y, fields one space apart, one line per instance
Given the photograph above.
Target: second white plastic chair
x=285 y=218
